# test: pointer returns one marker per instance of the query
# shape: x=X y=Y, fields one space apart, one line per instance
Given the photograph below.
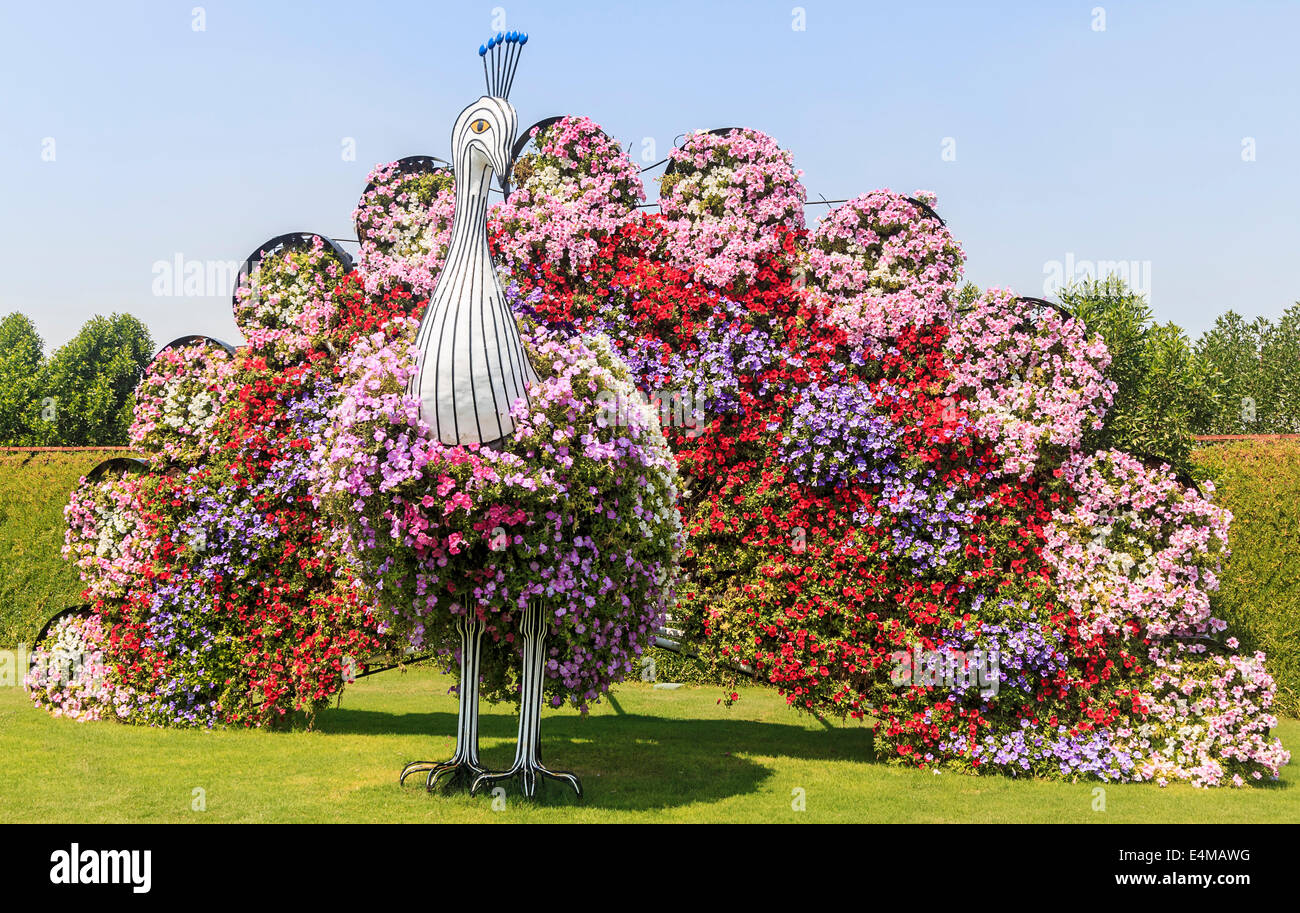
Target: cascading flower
x=1136 y=544
x=1034 y=382
x=1207 y=719
x=723 y=200
x=404 y=224
x=285 y=306
x=178 y=401
x=106 y=536
x=69 y=676
x=576 y=187
x=883 y=262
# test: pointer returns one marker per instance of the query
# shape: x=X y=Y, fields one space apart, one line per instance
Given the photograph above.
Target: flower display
x=1207 y=719
x=723 y=199
x=837 y=480
x=884 y=262
x=284 y=306
x=576 y=187
x=69 y=676
x=1033 y=382
x=177 y=402
x=106 y=538
x=1136 y=544
x=404 y=224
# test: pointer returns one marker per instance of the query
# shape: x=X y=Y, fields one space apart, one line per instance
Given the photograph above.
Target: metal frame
x=182 y=341
x=415 y=164
x=112 y=464
x=85 y=610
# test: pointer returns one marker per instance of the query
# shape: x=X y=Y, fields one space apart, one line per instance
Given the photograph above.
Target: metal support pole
x=463 y=764
x=528 y=746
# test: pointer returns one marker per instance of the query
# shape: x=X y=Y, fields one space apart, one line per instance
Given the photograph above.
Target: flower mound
x=569 y=194
x=724 y=199
x=884 y=262
x=1136 y=545
x=404 y=224
x=284 y=307
x=69 y=676
x=178 y=401
x=105 y=538
x=1032 y=382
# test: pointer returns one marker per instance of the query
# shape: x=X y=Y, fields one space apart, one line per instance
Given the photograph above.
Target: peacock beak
x=500 y=158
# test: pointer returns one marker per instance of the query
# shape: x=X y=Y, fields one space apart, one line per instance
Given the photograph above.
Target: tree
x=1259 y=374
x=1279 y=374
x=86 y=386
x=1165 y=390
x=1231 y=347
x=22 y=354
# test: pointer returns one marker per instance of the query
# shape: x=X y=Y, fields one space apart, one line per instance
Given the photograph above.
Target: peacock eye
x=479 y=125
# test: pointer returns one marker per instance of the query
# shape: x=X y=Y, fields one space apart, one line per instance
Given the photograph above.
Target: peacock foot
x=530 y=774
x=456 y=771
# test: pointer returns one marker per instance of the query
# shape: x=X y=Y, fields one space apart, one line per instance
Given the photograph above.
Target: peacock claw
x=530 y=774
x=456 y=770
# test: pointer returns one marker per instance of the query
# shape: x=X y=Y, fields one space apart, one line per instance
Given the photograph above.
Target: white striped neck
x=469 y=238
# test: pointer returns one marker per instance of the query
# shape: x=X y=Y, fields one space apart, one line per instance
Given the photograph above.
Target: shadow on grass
x=628 y=761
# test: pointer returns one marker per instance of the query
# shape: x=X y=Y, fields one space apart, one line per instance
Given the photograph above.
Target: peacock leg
x=463 y=765
x=528 y=747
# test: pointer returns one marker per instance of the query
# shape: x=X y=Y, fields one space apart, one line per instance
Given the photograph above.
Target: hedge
x=35 y=581
x=1259 y=593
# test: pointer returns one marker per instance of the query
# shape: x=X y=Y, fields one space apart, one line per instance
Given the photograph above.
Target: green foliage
x=670 y=666
x=1259 y=591
x=1258 y=365
x=22 y=354
x=1279 y=383
x=35 y=581
x=1165 y=391
x=90 y=381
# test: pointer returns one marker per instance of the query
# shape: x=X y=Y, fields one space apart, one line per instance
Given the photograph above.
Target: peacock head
x=486 y=130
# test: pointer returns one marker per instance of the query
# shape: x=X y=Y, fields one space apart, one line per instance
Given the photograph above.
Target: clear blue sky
x=1122 y=144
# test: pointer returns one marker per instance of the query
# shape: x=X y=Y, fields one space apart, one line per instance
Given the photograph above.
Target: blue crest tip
x=523 y=39
x=499 y=37
x=482 y=50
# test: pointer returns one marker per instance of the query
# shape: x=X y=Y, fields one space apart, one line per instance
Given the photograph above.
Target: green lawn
x=645 y=756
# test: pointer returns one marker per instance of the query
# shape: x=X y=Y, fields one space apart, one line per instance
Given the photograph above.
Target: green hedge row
x=1259 y=592
x=35 y=581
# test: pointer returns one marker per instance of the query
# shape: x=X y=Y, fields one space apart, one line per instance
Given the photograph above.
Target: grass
x=35 y=581
x=645 y=755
